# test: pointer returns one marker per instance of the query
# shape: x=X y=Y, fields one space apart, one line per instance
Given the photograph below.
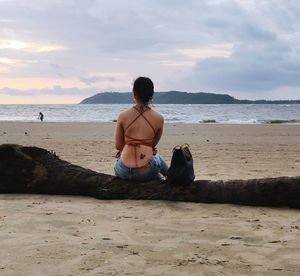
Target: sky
x=62 y=51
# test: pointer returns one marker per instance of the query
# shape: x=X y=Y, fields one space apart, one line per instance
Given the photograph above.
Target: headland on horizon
x=178 y=97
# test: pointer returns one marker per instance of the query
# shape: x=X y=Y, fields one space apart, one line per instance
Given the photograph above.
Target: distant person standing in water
x=41 y=117
x=138 y=131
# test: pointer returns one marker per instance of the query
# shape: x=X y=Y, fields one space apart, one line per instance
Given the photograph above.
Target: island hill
x=177 y=97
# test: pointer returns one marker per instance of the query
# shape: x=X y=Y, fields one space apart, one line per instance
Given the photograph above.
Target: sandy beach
x=59 y=235
x=219 y=151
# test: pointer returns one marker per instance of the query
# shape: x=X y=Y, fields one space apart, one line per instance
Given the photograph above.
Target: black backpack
x=181 y=171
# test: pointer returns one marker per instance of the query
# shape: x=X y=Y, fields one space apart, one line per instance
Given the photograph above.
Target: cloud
x=176 y=63
x=7 y=61
x=106 y=80
x=93 y=79
x=255 y=67
x=30 y=47
x=211 y=51
x=56 y=90
x=237 y=45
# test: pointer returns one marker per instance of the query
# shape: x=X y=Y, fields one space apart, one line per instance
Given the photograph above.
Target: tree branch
x=35 y=170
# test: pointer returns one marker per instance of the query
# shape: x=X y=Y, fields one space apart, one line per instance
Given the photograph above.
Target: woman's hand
x=118 y=154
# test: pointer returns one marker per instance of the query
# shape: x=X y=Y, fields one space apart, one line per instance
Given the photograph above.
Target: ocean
x=173 y=113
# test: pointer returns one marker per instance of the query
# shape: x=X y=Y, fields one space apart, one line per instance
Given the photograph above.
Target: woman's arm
x=119 y=134
x=158 y=134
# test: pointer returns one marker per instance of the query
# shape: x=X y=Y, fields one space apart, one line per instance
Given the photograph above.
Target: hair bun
x=143 y=88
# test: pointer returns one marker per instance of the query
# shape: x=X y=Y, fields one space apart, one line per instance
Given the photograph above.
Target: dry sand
x=59 y=235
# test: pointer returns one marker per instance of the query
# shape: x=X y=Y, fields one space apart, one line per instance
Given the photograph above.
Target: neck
x=141 y=106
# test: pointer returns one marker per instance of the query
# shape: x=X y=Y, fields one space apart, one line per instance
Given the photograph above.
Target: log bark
x=36 y=170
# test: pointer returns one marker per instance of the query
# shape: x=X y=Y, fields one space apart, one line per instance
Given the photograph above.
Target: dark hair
x=143 y=88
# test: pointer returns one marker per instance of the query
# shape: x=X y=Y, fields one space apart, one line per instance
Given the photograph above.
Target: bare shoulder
x=159 y=117
x=124 y=114
x=122 y=118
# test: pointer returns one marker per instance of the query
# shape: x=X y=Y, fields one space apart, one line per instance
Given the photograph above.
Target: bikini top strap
x=149 y=123
x=140 y=114
x=132 y=122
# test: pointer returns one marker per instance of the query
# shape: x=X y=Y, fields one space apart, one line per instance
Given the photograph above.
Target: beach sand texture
x=60 y=235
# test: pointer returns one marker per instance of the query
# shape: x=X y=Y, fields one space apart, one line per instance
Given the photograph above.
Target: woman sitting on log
x=138 y=131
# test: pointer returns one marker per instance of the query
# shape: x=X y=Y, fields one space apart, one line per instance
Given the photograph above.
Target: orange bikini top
x=134 y=141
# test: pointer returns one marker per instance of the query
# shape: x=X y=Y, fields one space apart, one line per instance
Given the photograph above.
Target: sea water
x=173 y=113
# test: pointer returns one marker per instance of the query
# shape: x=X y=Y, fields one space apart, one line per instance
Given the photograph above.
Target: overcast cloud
x=49 y=48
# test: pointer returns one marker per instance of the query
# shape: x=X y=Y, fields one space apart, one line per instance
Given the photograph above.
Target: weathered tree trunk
x=35 y=170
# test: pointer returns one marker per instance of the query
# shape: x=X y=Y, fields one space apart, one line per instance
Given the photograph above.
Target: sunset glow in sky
x=61 y=51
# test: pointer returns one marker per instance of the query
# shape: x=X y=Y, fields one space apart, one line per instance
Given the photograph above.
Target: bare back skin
x=139 y=155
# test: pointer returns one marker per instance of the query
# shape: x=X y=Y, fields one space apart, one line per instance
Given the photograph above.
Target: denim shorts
x=156 y=169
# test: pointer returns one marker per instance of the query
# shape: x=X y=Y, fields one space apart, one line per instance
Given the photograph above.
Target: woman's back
x=142 y=128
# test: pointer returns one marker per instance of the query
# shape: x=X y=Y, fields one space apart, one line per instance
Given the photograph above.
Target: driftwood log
x=35 y=170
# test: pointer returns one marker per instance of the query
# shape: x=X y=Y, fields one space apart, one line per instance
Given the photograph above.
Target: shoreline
x=267 y=122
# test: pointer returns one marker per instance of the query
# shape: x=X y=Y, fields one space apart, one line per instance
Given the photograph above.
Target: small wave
x=210 y=114
x=240 y=122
